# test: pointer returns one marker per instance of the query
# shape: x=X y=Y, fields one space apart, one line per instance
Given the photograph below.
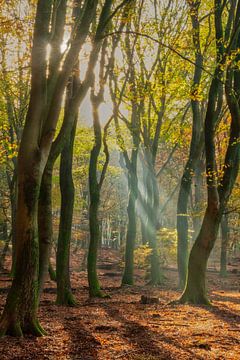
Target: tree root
x=14 y=328
x=34 y=328
x=67 y=300
x=97 y=293
x=191 y=300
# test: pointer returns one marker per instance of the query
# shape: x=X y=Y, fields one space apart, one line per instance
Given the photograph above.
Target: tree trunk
x=45 y=224
x=195 y=290
x=94 y=286
x=64 y=292
x=224 y=245
x=194 y=153
x=131 y=232
x=52 y=272
x=13 y=197
x=6 y=238
x=20 y=312
x=152 y=211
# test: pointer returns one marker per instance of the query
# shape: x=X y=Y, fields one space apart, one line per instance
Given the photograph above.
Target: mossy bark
x=20 y=312
x=64 y=292
x=195 y=290
x=45 y=224
x=52 y=272
x=94 y=285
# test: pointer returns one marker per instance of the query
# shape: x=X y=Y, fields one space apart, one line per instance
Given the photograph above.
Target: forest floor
x=123 y=328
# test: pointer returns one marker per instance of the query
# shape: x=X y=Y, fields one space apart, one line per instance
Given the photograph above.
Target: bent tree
x=218 y=188
x=20 y=311
x=196 y=148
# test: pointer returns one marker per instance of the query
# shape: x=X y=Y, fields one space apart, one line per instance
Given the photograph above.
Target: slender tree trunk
x=131 y=230
x=64 y=292
x=45 y=224
x=224 y=245
x=52 y=272
x=6 y=238
x=198 y=200
x=13 y=222
x=156 y=275
x=94 y=286
x=143 y=229
x=95 y=185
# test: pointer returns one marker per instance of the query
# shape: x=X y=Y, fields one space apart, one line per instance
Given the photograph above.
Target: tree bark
x=131 y=226
x=196 y=148
x=64 y=293
x=224 y=245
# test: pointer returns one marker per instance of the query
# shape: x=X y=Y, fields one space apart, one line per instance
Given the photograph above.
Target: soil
x=123 y=327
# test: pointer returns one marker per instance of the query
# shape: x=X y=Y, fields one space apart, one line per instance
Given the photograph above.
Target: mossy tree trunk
x=20 y=312
x=64 y=293
x=195 y=290
x=45 y=224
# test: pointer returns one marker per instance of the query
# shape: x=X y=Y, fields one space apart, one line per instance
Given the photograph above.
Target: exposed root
x=98 y=294
x=67 y=300
x=34 y=328
x=14 y=328
x=192 y=300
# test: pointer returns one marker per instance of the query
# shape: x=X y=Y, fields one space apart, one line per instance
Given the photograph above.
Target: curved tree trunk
x=218 y=196
x=195 y=290
x=195 y=152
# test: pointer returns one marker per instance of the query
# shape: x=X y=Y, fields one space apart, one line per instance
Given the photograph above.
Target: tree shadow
x=224 y=314
x=143 y=338
x=224 y=297
x=82 y=344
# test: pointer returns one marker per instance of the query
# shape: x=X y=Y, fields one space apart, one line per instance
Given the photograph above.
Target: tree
x=196 y=147
x=218 y=191
x=20 y=312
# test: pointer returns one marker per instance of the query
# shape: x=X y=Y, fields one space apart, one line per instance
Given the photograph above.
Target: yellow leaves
x=197 y=93
x=8 y=149
x=141 y=256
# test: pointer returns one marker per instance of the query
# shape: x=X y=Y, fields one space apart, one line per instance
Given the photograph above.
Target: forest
x=119 y=179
